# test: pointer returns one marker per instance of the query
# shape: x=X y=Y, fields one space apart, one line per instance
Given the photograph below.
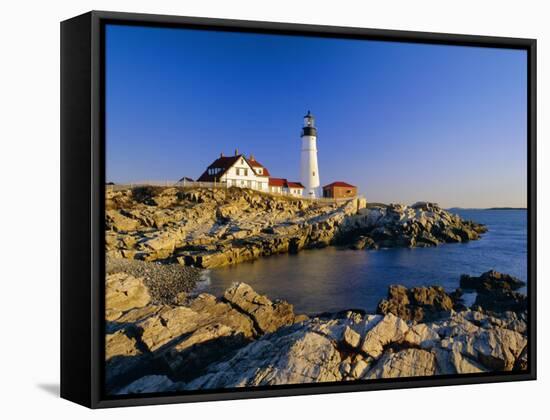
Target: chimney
x=236 y=152
x=251 y=157
x=221 y=154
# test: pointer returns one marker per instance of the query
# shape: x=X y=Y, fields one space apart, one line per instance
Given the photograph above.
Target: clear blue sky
x=403 y=122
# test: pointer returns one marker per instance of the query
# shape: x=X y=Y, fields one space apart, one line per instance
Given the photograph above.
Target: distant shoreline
x=490 y=208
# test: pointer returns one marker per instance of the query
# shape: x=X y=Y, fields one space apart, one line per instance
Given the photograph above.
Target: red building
x=339 y=189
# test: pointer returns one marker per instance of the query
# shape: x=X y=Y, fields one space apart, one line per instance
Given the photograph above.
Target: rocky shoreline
x=243 y=338
x=208 y=228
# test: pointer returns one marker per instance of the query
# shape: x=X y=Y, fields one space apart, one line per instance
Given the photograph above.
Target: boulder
x=491 y=281
x=390 y=329
x=416 y=304
x=118 y=222
x=169 y=325
x=351 y=338
x=403 y=364
x=502 y=301
x=221 y=312
x=496 y=349
x=119 y=344
x=268 y=316
x=289 y=356
x=122 y=293
x=452 y=362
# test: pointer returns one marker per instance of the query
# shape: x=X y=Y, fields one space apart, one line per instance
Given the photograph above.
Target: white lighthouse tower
x=309 y=168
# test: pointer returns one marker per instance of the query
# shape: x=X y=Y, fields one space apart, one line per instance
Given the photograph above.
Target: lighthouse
x=309 y=169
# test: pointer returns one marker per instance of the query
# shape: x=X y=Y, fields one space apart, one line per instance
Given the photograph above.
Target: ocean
x=332 y=279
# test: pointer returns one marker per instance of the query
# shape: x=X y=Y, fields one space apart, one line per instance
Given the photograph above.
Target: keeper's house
x=243 y=172
x=237 y=171
x=339 y=189
x=282 y=186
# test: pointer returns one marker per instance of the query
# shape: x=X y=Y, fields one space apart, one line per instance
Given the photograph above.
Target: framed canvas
x=255 y=209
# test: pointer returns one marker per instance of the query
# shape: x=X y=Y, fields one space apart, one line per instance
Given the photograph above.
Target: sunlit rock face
x=245 y=339
x=209 y=228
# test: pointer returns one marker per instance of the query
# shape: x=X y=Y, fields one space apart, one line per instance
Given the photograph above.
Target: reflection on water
x=333 y=279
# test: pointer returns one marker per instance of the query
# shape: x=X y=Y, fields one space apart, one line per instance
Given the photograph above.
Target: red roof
x=277 y=182
x=255 y=164
x=282 y=182
x=223 y=163
x=226 y=162
x=295 y=185
x=339 y=184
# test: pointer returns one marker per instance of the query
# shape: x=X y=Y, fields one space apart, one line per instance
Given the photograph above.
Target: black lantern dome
x=309 y=125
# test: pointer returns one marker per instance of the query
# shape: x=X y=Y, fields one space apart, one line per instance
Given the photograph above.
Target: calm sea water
x=335 y=279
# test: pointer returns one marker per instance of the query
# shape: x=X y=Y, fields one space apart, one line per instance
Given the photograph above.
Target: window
x=245 y=172
x=242 y=183
x=260 y=170
x=238 y=171
x=313 y=173
x=248 y=183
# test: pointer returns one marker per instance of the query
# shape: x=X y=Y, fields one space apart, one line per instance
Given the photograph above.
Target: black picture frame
x=82 y=205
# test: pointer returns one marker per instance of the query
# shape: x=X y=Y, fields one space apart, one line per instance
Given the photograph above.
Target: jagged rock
x=452 y=362
x=363 y=242
x=359 y=368
x=501 y=301
x=119 y=344
x=220 y=312
x=122 y=293
x=268 y=316
x=202 y=347
x=423 y=224
x=245 y=339
x=390 y=329
x=422 y=335
x=351 y=338
x=148 y=384
x=496 y=291
x=119 y=222
x=416 y=304
x=170 y=324
x=291 y=355
x=405 y=363
x=237 y=225
x=522 y=362
x=497 y=348
x=491 y=281
x=123 y=360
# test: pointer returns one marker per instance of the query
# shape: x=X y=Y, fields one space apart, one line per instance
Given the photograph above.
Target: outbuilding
x=339 y=189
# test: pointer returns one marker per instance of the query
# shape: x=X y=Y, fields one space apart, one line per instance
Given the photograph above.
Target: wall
x=30 y=208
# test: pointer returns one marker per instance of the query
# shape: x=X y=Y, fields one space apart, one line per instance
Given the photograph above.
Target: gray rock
x=405 y=363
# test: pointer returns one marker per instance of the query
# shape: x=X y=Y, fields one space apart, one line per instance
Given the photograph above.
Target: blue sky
x=404 y=122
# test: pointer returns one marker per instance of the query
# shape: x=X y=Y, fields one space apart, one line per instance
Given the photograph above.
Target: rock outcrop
x=422 y=224
x=214 y=227
x=246 y=339
x=496 y=291
x=418 y=303
x=124 y=292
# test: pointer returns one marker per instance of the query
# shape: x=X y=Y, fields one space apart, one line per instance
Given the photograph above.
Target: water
x=334 y=279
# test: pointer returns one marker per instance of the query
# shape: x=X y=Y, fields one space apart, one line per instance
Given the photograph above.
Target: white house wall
x=250 y=180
